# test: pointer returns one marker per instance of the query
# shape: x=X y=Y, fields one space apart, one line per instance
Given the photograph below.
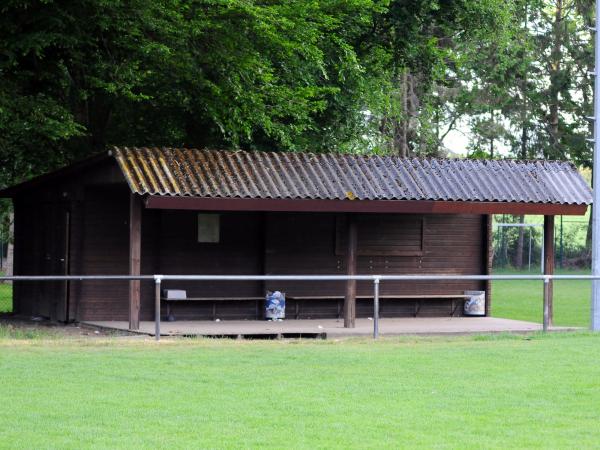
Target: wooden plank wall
x=41 y=238
x=251 y=243
x=76 y=250
x=104 y=251
x=27 y=258
x=239 y=251
x=40 y=250
x=303 y=243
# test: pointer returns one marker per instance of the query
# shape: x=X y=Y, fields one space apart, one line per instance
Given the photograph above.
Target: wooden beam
x=548 y=270
x=366 y=206
x=135 y=250
x=351 y=255
x=488 y=256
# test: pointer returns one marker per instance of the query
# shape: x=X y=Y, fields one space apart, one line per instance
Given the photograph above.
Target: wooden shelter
x=186 y=211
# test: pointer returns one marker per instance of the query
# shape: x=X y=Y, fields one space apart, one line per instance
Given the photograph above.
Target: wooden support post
x=135 y=250
x=350 y=297
x=548 y=270
x=488 y=256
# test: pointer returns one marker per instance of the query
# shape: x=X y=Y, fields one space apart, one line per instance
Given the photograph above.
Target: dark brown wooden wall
x=251 y=243
x=104 y=251
x=42 y=236
x=28 y=258
x=239 y=251
x=302 y=243
x=305 y=243
x=40 y=243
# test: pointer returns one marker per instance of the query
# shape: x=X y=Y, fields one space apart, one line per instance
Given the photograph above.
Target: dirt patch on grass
x=24 y=327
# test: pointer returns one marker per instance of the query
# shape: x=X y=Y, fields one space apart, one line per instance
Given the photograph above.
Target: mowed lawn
x=462 y=392
x=523 y=300
x=5 y=298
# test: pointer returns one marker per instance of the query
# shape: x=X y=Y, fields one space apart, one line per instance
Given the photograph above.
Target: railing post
x=375 y=307
x=547 y=288
x=157 y=284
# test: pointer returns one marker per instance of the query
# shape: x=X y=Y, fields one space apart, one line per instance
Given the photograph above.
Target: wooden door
x=57 y=254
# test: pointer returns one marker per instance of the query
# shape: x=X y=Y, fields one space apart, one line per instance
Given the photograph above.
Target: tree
x=423 y=46
x=79 y=76
x=367 y=75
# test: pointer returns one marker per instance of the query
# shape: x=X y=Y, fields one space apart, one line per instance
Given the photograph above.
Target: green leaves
x=235 y=73
x=327 y=75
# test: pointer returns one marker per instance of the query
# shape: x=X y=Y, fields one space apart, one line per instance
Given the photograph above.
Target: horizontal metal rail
x=77 y=277
x=375 y=279
x=433 y=277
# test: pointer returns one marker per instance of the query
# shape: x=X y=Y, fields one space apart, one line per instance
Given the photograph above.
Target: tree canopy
x=289 y=75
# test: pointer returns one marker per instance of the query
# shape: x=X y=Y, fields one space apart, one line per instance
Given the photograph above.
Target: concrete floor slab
x=333 y=327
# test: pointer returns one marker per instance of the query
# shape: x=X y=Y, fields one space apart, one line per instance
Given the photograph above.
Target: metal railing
x=375 y=279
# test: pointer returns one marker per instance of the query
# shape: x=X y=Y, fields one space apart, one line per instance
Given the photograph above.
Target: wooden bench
x=214 y=300
x=416 y=297
x=297 y=298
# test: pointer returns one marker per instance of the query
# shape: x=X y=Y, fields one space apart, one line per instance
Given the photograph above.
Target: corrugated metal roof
x=240 y=174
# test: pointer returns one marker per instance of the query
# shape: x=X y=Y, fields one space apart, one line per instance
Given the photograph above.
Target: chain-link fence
x=6 y=261
x=518 y=245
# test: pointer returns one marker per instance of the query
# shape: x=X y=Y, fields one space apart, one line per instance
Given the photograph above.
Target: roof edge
x=361 y=206
x=12 y=191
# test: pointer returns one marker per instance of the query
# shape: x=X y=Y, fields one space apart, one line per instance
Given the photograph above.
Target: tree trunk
x=504 y=246
x=401 y=132
x=519 y=254
x=523 y=154
x=9 y=262
x=588 y=108
x=555 y=80
x=491 y=134
x=404 y=128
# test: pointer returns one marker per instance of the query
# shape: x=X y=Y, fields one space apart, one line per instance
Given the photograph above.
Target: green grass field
x=5 y=298
x=462 y=392
x=502 y=391
x=523 y=300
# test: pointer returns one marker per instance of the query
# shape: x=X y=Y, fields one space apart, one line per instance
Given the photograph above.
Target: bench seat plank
x=314 y=297
x=340 y=297
x=214 y=300
x=211 y=299
x=310 y=297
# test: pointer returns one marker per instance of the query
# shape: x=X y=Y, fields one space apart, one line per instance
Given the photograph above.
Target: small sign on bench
x=174 y=294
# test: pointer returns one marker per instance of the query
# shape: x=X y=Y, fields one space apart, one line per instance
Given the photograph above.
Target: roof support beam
x=351 y=252
x=365 y=206
x=135 y=250
x=548 y=270
x=488 y=258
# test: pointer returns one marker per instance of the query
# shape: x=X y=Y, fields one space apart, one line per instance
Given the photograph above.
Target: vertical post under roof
x=548 y=270
x=488 y=257
x=351 y=250
x=135 y=250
